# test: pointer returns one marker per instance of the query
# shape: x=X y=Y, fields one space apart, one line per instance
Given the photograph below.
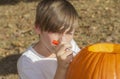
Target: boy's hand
x=64 y=55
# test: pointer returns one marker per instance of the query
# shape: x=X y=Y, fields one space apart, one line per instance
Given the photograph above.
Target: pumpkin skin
x=97 y=61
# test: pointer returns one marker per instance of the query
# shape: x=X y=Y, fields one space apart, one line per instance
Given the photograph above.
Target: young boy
x=49 y=58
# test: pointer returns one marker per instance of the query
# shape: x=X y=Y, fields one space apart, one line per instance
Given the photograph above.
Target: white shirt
x=32 y=65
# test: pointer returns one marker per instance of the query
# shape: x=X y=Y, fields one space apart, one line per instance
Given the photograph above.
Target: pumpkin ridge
x=82 y=66
x=117 y=66
x=96 y=65
x=104 y=67
x=111 y=66
x=89 y=58
x=99 y=65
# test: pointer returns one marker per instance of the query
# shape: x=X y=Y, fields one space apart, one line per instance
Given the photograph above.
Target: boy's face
x=46 y=38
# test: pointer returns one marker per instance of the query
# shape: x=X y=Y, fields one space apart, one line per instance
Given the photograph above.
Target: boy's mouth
x=55 y=42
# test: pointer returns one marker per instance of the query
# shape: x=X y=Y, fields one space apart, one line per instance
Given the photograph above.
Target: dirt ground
x=99 y=22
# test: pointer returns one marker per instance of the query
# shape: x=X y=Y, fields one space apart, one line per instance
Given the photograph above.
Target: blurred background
x=99 y=22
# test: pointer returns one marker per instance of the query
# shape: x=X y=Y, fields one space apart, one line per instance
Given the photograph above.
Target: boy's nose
x=63 y=39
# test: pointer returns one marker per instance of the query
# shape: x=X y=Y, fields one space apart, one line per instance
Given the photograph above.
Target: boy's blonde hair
x=56 y=16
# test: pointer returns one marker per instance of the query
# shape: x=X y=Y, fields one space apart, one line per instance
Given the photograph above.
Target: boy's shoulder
x=29 y=55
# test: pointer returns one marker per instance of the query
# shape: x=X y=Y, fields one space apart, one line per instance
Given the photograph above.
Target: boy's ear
x=37 y=29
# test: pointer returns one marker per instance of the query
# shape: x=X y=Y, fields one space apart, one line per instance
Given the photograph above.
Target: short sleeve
x=27 y=70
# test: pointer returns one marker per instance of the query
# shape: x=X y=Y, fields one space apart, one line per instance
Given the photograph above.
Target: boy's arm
x=64 y=57
x=60 y=73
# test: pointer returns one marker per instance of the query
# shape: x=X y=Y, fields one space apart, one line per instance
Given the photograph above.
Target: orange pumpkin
x=97 y=61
